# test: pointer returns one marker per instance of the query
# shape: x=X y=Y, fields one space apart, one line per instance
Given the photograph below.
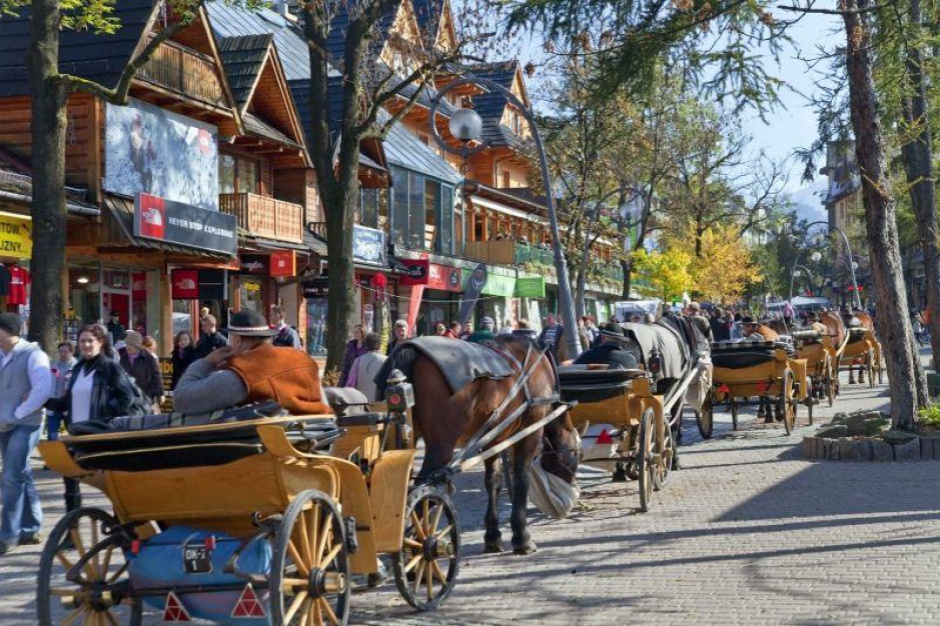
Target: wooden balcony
x=265 y=217
x=185 y=72
x=493 y=252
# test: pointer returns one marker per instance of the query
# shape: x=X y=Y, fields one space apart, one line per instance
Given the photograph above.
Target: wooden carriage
x=322 y=517
x=632 y=420
x=762 y=369
x=862 y=350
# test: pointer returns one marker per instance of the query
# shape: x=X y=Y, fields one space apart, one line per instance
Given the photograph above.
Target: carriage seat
x=742 y=354
x=593 y=383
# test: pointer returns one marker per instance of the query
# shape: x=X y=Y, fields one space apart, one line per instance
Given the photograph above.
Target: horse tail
x=403 y=359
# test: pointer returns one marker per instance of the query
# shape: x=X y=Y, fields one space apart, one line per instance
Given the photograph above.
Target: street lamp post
x=466 y=126
x=815 y=256
x=851 y=261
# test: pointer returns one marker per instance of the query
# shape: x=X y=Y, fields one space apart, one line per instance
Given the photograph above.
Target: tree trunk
x=918 y=159
x=48 y=106
x=627 y=266
x=892 y=321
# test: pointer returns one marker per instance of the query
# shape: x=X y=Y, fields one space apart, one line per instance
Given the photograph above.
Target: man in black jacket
x=609 y=350
x=211 y=339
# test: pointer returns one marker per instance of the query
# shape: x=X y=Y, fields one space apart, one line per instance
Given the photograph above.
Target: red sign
x=444 y=278
x=185 y=284
x=152 y=217
x=416 y=272
x=283 y=263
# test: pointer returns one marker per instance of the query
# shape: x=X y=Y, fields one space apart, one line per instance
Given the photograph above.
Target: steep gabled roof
x=97 y=57
x=491 y=105
x=243 y=58
x=339 y=23
x=404 y=149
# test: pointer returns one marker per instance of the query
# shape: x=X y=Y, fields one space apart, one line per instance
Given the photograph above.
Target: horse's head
x=561 y=449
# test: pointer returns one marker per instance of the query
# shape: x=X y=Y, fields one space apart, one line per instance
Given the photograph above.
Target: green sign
x=530 y=287
x=497 y=285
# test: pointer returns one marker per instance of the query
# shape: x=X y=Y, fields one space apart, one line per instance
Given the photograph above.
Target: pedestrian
x=486 y=332
x=399 y=336
x=115 y=328
x=99 y=390
x=211 y=338
x=363 y=371
x=354 y=349
x=143 y=367
x=26 y=380
x=61 y=372
x=552 y=335
x=150 y=345
x=286 y=336
x=439 y=330
x=467 y=331
x=454 y=331
x=184 y=353
x=719 y=326
x=506 y=328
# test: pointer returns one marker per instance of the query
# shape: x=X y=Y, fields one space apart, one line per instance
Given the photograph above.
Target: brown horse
x=865 y=320
x=447 y=420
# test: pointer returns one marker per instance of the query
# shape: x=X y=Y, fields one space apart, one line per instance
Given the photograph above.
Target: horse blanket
x=460 y=362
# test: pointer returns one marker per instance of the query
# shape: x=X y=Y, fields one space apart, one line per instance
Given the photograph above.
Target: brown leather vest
x=767 y=333
x=285 y=375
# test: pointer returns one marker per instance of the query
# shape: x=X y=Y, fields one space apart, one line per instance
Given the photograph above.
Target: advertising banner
x=283 y=263
x=173 y=222
x=368 y=245
x=317 y=287
x=497 y=285
x=416 y=272
x=255 y=264
x=151 y=150
x=16 y=237
x=444 y=278
x=530 y=287
x=475 y=283
x=185 y=284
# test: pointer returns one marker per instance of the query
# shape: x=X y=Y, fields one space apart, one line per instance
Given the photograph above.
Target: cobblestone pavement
x=747 y=532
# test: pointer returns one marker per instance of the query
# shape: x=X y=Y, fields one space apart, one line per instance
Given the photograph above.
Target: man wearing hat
x=486 y=333
x=609 y=350
x=755 y=331
x=251 y=369
x=25 y=385
x=696 y=316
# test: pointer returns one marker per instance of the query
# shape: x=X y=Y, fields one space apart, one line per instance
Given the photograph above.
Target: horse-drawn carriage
x=767 y=370
x=863 y=352
x=246 y=519
x=627 y=417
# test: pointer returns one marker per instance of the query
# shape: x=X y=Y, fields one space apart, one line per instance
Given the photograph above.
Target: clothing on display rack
x=19 y=280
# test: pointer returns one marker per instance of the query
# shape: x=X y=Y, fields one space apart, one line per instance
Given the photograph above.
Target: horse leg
x=770 y=412
x=522 y=454
x=852 y=372
x=492 y=539
x=861 y=373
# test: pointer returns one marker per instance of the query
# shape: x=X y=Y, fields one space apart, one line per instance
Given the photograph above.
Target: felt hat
x=133 y=338
x=249 y=323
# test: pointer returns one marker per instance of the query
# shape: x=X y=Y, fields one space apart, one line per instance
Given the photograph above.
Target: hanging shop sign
x=444 y=278
x=283 y=263
x=16 y=237
x=254 y=264
x=530 y=287
x=497 y=285
x=185 y=284
x=476 y=280
x=317 y=287
x=183 y=224
x=415 y=272
x=368 y=245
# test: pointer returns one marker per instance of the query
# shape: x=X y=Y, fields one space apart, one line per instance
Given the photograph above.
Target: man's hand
x=217 y=357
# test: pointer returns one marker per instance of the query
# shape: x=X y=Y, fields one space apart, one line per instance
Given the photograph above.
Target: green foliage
x=665 y=272
x=929 y=415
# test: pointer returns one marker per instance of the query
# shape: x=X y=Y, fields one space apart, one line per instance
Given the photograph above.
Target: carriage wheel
x=98 y=590
x=870 y=366
x=734 y=414
x=705 y=418
x=663 y=458
x=785 y=403
x=644 y=460
x=310 y=566
x=426 y=566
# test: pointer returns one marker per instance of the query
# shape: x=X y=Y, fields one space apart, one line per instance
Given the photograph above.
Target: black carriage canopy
x=742 y=354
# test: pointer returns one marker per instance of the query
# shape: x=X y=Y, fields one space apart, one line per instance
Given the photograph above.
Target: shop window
x=416 y=209
x=251 y=295
x=399 y=227
x=316 y=326
x=237 y=174
x=369 y=208
x=432 y=202
x=422 y=212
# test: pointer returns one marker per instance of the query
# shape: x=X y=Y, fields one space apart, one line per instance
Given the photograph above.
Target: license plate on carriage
x=197 y=560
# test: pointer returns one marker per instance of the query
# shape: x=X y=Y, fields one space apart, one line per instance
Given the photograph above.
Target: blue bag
x=162 y=562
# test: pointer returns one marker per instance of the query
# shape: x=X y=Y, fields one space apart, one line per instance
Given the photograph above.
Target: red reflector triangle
x=762 y=387
x=604 y=437
x=724 y=389
x=174 y=611
x=248 y=604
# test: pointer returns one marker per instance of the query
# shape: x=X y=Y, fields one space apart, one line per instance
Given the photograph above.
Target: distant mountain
x=807 y=202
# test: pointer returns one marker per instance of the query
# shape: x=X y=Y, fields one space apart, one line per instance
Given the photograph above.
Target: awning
x=314 y=243
x=122 y=211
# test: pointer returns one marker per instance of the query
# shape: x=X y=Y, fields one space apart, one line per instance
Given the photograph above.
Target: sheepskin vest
x=285 y=375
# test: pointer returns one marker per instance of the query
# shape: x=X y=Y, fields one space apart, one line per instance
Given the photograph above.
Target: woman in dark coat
x=184 y=353
x=143 y=367
x=354 y=349
x=99 y=390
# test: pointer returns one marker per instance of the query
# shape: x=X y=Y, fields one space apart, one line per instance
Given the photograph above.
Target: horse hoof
x=528 y=548
x=493 y=548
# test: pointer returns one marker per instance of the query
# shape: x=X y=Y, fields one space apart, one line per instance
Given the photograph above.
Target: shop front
x=16 y=248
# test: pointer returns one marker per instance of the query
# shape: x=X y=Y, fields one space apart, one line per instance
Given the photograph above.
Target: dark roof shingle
x=243 y=58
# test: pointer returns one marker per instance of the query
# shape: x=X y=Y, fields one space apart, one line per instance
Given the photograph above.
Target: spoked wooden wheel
x=83 y=573
x=310 y=566
x=426 y=566
x=662 y=460
x=785 y=403
x=704 y=418
x=644 y=460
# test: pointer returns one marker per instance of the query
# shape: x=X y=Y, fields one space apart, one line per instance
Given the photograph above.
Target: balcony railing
x=265 y=217
x=184 y=71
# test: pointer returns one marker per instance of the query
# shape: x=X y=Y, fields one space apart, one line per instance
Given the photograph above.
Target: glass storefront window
x=316 y=326
x=84 y=299
x=250 y=295
x=416 y=210
x=399 y=227
x=226 y=173
x=237 y=174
